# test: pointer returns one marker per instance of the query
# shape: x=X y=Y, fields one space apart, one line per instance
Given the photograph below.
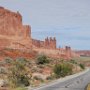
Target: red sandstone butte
x=15 y=35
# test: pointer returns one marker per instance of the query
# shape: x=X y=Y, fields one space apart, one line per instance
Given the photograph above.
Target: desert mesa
x=14 y=35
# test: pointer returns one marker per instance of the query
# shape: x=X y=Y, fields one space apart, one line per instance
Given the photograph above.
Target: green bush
x=23 y=80
x=42 y=59
x=57 y=70
x=62 y=70
x=82 y=66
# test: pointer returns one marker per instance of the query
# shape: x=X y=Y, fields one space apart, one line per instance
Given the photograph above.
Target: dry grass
x=88 y=87
x=83 y=59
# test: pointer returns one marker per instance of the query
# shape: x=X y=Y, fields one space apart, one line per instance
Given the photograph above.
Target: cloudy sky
x=67 y=20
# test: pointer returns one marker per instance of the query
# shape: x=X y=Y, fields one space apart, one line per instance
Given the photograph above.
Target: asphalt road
x=75 y=83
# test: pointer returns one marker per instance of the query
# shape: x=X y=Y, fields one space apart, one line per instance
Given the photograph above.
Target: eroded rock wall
x=12 y=30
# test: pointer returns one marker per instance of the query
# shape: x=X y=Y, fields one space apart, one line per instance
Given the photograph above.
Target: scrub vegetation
x=21 y=72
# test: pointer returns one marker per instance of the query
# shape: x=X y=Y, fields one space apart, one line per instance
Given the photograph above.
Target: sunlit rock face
x=15 y=35
x=12 y=32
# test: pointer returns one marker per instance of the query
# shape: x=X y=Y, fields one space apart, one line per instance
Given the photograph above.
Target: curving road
x=79 y=82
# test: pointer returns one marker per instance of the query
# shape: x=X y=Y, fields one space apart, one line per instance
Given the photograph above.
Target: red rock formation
x=36 y=43
x=48 y=43
x=52 y=43
x=12 y=30
x=68 y=52
x=15 y=35
x=10 y=22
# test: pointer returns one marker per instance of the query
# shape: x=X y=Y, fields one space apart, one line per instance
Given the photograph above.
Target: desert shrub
x=67 y=69
x=17 y=75
x=82 y=66
x=50 y=77
x=42 y=59
x=62 y=70
x=8 y=60
x=73 y=61
x=21 y=60
x=57 y=70
x=3 y=70
x=23 y=80
x=38 y=78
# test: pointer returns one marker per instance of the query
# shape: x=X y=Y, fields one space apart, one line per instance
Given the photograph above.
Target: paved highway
x=78 y=82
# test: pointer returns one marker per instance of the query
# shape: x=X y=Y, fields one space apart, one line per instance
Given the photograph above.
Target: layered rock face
x=15 y=35
x=12 y=32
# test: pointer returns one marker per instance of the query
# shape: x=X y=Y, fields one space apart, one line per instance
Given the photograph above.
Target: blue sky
x=67 y=20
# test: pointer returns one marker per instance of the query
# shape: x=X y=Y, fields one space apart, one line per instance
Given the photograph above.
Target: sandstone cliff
x=12 y=32
x=15 y=35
